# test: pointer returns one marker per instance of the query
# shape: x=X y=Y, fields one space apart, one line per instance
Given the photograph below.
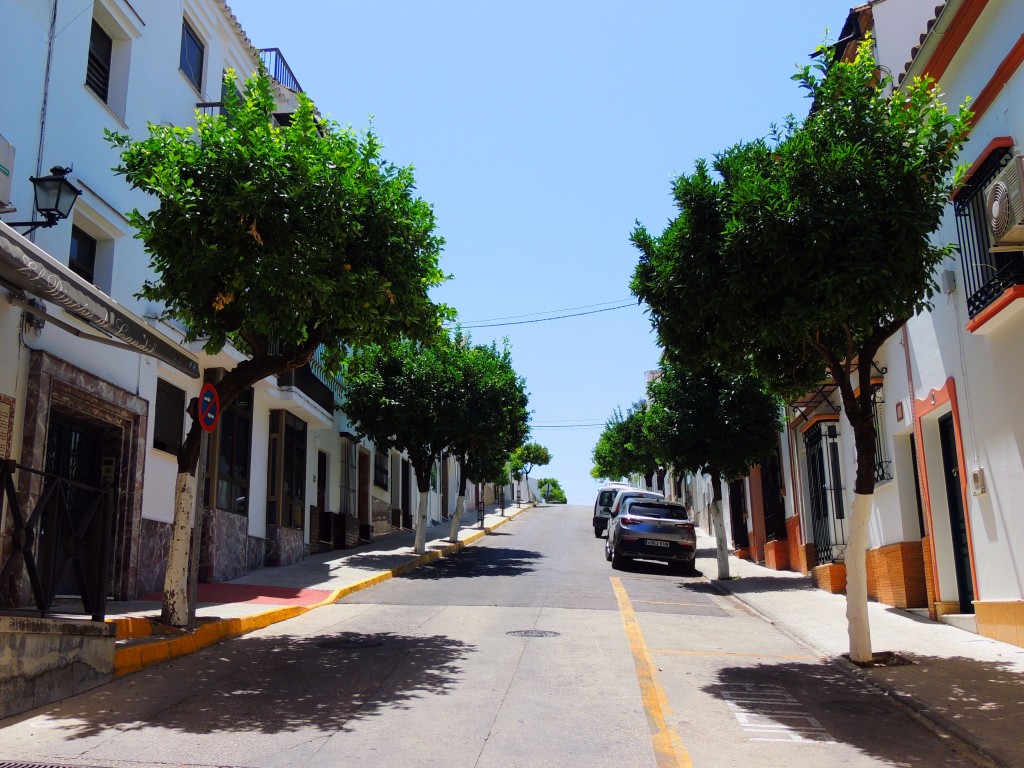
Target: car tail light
x=628 y=521
x=685 y=526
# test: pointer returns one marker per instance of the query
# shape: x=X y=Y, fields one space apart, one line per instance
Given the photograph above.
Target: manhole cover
x=347 y=643
x=532 y=633
x=855 y=707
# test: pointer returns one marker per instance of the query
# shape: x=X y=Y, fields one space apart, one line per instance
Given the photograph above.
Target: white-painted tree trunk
x=421 y=524
x=721 y=543
x=460 y=505
x=857 y=580
x=175 y=599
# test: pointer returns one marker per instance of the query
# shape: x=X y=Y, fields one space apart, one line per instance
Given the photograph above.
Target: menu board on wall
x=6 y=425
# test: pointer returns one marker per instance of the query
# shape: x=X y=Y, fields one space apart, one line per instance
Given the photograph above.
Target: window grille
x=883 y=465
x=986 y=274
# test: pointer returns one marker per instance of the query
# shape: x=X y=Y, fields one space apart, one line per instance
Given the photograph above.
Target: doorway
x=957 y=518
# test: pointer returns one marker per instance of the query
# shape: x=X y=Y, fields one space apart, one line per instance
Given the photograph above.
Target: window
x=986 y=274
x=82 y=259
x=286 y=476
x=191 y=60
x=97 y=71
x=380 y=468
x=232 y=447
x=349 y=473
x=883 y=466
x=169 y=417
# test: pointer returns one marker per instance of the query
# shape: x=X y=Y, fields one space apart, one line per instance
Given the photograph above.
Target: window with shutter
x=169 y=418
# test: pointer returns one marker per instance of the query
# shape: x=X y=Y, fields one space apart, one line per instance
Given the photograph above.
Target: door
x=738 y=514
x=74 y=451
x=326 y=521
x=957 y=519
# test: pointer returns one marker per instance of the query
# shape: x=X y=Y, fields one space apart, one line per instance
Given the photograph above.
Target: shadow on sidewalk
x=796 y=702
x=277 y=685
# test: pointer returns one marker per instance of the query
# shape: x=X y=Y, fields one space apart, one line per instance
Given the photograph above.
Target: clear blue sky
x=540 y=132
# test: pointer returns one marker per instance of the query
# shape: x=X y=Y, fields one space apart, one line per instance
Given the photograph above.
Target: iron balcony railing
x=278 y=68
x=333 y=383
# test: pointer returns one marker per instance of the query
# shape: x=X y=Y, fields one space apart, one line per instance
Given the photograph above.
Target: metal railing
x=278 y=68
x=67 y=530
x=824 y=485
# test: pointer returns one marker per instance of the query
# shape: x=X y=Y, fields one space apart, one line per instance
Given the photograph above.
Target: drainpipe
x=46 y=97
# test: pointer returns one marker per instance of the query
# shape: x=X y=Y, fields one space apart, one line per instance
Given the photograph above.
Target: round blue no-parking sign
x=209 y=407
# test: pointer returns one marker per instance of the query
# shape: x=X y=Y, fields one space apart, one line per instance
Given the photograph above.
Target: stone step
x=966 y=621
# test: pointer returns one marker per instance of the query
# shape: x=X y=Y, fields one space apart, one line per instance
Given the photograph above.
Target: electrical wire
x=545 y=319
x=548 y=312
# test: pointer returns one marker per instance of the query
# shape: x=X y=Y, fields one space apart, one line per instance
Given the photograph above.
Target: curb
x=921 y=712
x=136 y=658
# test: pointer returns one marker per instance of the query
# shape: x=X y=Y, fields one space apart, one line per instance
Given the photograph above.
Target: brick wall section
x=926 y=556
x=830 y=577
x=776 y=555
x=896 y=575
x=1002 y=621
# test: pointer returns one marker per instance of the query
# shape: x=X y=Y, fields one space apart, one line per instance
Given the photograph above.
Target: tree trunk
x=718 y=518
x=174 y=607
x=460 y=505
x=858 y=626
x=421 y=524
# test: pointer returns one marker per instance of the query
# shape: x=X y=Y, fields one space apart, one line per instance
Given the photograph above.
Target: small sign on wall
x=899 y=411
x=6 y=426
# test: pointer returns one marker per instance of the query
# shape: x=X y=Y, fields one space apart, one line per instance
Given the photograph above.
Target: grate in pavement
x=532 y=633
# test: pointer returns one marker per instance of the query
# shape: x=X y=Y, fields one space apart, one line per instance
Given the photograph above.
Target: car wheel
x=597 y=532
x=618 y=561
x=687 y=569
x=607 y=552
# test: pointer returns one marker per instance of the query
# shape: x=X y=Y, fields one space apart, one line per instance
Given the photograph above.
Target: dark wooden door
x=957 y=518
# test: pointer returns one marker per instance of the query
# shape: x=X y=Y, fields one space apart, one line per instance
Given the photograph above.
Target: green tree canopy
x=626 y=446
x=280 y=240
x=527 y=457
x=810 y=249
x=557 y=494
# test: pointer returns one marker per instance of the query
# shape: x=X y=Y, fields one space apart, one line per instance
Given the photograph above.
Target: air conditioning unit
x=1004 y=207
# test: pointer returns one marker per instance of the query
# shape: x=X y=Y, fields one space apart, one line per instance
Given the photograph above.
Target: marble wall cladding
x=257 y=553
x=285 y=546
x=225 y=550
x=154 y=540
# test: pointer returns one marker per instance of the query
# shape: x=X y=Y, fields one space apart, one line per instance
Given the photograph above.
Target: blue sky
x=540 y=132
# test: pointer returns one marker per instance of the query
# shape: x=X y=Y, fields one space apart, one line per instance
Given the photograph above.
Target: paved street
x=525 y=649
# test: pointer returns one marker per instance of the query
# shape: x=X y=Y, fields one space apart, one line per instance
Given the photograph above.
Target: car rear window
x=652 y=510
x=604 y=499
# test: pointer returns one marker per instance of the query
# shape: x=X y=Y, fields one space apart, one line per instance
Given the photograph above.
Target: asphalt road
x=526 y=649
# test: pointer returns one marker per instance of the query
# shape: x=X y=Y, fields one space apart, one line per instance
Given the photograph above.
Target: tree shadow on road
x=475 y=562
x=271 y=685
x=796 y=702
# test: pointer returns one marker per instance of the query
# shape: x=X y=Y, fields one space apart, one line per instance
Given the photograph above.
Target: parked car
x=603 y=505
x=651 y=529
x=623 y=494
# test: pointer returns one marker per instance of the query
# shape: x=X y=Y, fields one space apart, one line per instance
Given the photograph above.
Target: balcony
x=278 y=69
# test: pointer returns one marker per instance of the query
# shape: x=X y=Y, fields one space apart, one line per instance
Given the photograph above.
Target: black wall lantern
x=54 y=198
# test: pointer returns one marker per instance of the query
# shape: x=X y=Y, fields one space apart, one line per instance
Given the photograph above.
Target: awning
x=26 y=267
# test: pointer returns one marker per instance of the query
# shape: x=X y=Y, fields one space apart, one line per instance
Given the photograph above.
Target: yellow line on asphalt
x=732 y=653
x=669 y=751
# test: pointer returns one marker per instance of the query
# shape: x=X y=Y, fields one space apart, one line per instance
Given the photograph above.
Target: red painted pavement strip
x=253 y=593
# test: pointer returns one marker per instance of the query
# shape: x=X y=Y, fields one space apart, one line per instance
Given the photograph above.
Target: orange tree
x=277 y=240
x=806 y=252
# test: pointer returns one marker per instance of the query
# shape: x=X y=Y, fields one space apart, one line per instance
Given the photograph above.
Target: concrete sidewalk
x=961 y=683
x=270 y=595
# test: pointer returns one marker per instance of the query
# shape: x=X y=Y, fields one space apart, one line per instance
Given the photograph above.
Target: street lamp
x=54 y=198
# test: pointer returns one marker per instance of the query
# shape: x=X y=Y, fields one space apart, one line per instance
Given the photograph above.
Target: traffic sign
x=209 y=407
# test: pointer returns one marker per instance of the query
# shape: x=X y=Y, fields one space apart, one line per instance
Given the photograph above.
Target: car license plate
x=655 y=543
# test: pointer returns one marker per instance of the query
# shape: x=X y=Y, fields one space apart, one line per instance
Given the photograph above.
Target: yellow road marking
x=732 y=653
x=669 y=751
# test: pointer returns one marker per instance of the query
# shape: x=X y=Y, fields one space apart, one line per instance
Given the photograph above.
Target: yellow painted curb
x=137 y=657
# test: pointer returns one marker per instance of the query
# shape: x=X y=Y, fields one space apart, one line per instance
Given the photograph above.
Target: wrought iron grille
x=883 y=465
x=986 y=274
x=824 y=484
x=67 y=531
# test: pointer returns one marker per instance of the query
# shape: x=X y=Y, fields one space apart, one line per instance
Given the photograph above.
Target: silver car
x=652 y=529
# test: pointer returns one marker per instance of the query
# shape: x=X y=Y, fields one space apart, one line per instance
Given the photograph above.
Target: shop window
x=232 y=445
x=286 y=475
x=169 y=417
